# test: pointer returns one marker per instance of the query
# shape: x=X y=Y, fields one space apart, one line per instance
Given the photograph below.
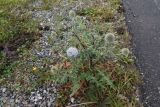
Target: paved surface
x=143 y=20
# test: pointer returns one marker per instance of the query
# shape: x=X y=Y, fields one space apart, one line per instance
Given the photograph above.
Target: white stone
x=72 y=100
x=4 y=90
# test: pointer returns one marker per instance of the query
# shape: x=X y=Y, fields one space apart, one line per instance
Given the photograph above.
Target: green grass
x=8 y=3
x=12 y=23
x=108 y=83
x=14 y=27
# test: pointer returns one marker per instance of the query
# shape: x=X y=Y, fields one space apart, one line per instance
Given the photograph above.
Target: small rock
x=17 y=100
x=72 y=100
x=44 y=91
x=49 y=104
x=35 y=100
x=4 y=90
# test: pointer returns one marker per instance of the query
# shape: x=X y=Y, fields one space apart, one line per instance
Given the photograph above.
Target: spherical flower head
x=109 y=38
x=72 y=13
x=125 y=51
x=72 y=52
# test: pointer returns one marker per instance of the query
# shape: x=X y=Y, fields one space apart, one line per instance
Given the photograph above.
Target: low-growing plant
x=94 y=13
x=87 y=59
x=93 y=65
x=16 y=29
x=9 y=30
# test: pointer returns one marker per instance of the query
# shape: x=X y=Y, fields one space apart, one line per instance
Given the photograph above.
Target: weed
x=92 y=64
x=98 y=13
x=94 y=69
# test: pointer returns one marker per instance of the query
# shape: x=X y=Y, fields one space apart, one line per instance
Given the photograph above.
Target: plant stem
x=87 y=103
x=79 y=40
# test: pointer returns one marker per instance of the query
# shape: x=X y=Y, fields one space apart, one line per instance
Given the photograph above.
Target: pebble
x=72 y=100
x=4 y=90
x=37 y=97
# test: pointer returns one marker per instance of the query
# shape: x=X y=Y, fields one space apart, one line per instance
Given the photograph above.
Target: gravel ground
x=42 y=96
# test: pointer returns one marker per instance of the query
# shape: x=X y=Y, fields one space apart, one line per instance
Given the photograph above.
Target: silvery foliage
x=77 y=31
x=92 y=47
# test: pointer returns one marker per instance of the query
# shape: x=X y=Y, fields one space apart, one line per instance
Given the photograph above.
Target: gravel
x=44 y=95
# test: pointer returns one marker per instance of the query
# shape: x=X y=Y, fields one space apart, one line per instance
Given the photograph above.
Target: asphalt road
x=143 y=20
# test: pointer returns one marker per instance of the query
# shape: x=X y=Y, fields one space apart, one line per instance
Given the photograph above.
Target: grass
x=104 y=76
x=106 y=82
x=8 y=19
x=8 y=28
x=15 y=30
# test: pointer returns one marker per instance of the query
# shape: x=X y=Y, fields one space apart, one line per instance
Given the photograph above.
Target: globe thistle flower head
x=72 y=13
x=109 y=38
x=125 y=51
x=72 y=52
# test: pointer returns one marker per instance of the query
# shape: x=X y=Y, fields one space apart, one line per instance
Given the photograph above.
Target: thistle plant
x=84 y=66
x=87 y=60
